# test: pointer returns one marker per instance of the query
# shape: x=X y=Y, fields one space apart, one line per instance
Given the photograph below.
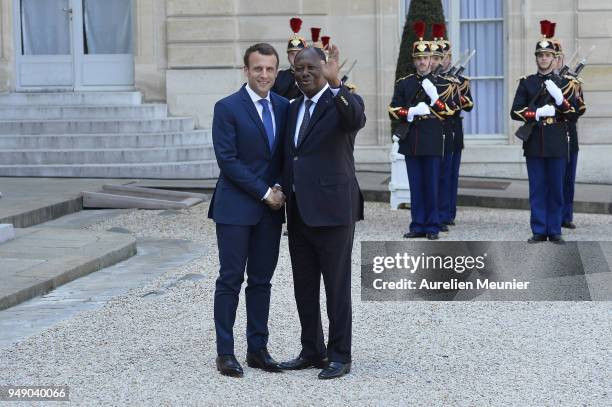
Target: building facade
x=188 y=54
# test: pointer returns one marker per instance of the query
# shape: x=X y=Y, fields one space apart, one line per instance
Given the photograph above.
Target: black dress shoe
x=262 y=360
x=536 y=238
x=335 y=370
x=229 y=366
x=300 y=363
x=444 y=227
x=568 y=225
x=432 y=236
x=413 y=235
x=557 y=239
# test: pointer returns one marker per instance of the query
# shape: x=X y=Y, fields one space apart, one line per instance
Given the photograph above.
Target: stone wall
x=150 y=61
x=7 y=59
x=206 y=41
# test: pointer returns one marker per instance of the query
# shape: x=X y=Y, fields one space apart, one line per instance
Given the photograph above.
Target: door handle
x=67 y=10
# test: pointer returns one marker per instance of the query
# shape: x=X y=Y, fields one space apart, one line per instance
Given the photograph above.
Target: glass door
x=44 y=43
x=74 y=44
x=104 y=46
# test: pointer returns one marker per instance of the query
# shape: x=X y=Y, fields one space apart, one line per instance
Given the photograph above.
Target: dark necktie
x=307 y=104
x=267 y=121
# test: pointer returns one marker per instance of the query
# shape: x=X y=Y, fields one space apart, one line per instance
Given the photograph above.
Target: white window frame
x=453 y=25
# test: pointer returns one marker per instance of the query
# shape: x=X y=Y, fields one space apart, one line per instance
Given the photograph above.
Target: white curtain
x=487 y=66
x=45 y=27
x=108 y=26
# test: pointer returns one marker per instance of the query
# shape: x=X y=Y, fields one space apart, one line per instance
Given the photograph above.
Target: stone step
x=107 y=155
x=169 y=124
x=7 y=232
x=146 y=111
x=70 y=98
x=38 y=260
x=161 y=170
x=84 y=141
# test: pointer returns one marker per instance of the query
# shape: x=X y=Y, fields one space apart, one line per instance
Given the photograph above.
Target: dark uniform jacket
x=573 y=91
x=464 y=96
x=285 y=85
x=426 y=135
x=550 y=136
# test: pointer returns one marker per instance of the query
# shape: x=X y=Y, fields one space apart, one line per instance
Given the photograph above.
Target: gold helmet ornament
x=296 y=42
x=420 y=47
x=545 y=44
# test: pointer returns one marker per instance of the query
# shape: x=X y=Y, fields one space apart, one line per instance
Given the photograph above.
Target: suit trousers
x=326 y=251
x=254 y=248
x=546 y=194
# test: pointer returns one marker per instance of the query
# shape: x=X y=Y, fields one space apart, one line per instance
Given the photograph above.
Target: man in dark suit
x=247 y=133
x=323 y=204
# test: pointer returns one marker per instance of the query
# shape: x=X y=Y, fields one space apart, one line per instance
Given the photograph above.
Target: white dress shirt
x=256 y=98
x=315 y=99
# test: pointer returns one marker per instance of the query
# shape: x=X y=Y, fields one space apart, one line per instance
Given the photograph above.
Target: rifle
x=524 y=131
x=461 y=64
x=345 y=76
x=402 y=128
x=563 y=71
x=582 y=63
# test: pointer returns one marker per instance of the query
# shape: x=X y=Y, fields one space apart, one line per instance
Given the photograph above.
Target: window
x=479 y=24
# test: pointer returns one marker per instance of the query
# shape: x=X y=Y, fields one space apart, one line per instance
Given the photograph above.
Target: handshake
x=276 y=198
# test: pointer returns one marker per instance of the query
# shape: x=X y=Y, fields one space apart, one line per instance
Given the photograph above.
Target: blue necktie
x=267 y=122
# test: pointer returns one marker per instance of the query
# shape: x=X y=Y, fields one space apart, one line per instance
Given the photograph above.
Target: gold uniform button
x=549 y=120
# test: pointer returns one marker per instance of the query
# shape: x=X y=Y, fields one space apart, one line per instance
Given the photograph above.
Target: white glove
x=395 y=138
x=431 y=90
x=554 y=91
x=545 y=111
x=421 y=109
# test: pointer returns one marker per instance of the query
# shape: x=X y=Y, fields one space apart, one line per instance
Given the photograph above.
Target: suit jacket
x=322 y=167
x=248 y=165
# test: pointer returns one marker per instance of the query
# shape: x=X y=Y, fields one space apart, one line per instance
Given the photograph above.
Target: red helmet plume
x=544 y=28
x=419 y=29
x=315 y=32
x=438 y=30
x=296 y=24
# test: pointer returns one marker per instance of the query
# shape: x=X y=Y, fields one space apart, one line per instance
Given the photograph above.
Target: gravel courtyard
x=143 y=349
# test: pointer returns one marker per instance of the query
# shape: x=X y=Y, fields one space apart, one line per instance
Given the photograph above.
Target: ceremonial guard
x=285 y=81
x=540 y=104
x=449 y=96
x=416 y=100
x=463 y=98
x=573 y=92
